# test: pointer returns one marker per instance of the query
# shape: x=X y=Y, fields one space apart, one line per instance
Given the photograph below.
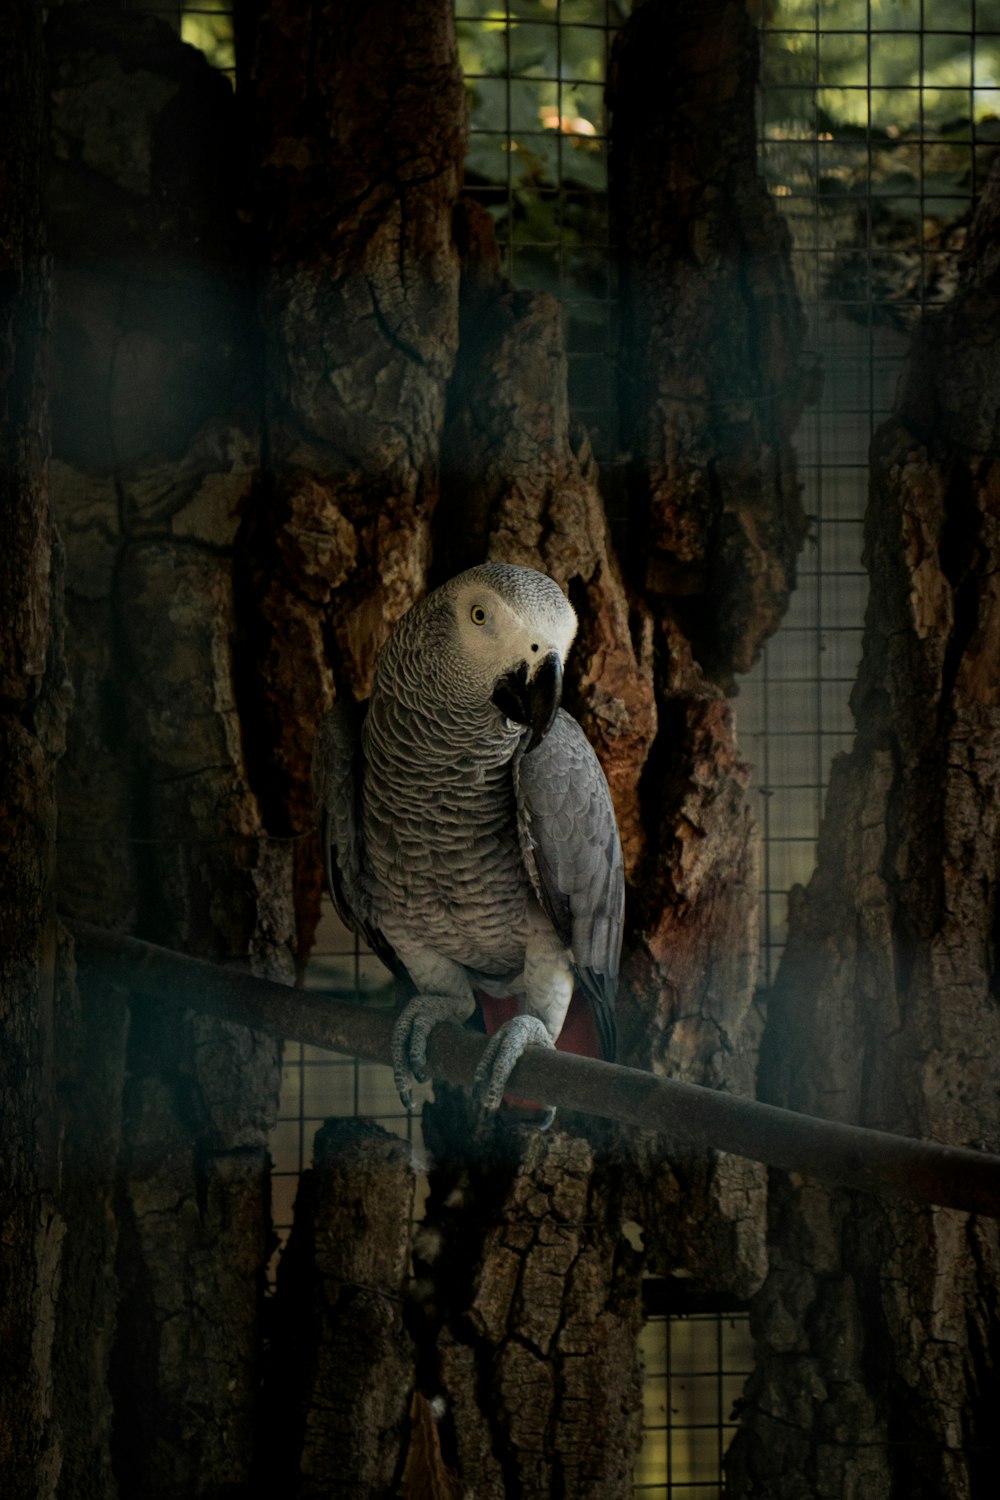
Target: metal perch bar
x=685 y=1114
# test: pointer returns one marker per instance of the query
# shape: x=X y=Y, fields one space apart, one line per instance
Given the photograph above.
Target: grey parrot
x=468 y=829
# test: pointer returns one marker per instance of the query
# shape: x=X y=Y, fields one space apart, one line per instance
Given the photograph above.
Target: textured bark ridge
x=692 y=961
x=153 y=423
x=536 y=1295
x=90 y=1057
x=341 y=1369
x=360 y=123
x=878 y=1329
x=32 y=710
x=710 y=393
x=711 y=384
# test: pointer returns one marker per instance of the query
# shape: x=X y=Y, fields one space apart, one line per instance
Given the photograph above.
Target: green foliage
x=536 y=91
x=860 y=110
x=208 y=25
x=858 y=106
x=879 y=134
x=536 y=147
x=893 y=78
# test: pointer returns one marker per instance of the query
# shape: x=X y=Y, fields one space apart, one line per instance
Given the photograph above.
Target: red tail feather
x=579 y=1033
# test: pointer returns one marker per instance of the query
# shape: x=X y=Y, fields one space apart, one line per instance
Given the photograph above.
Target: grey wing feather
x=336 y=769
x=571 y=849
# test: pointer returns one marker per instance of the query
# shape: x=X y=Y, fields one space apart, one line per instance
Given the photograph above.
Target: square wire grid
x=317 y=1085
x=695 y=1368
x=537 y=160
x=878 y=121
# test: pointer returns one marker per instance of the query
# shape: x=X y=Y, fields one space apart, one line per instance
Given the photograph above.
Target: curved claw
x=410 y=1036
x=498 y=1061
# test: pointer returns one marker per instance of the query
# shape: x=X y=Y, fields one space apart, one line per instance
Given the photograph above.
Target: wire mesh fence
x=878 y=121
x=537 y=159
x=695 y=1366
x=318 y=1085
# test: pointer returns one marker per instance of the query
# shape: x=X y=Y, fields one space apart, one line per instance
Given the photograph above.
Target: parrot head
x=515 y=627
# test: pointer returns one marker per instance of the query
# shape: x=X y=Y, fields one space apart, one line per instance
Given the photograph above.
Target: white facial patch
x=497 y=633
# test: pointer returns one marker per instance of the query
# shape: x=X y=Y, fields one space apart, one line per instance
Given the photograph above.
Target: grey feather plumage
x=336 y=778
x=448 y=841
x=570 y=845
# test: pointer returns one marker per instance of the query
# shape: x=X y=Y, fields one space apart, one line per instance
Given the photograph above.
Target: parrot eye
x=534 y=645
x=478 y=614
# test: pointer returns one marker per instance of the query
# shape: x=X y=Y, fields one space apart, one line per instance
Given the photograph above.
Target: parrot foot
x=410 y=1036
x=498 y=1061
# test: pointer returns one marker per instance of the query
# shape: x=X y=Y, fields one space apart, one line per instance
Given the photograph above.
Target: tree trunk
x=712 y=386
x=710 y=392
x=359 y=122
x=532 y=1295
x=877 y=1331
x=91 y=1047
x=341 y=1370
x=155 y=432
x=32 y=708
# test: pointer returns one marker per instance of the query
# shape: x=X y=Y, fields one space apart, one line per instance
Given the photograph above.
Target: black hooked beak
x=532 y=701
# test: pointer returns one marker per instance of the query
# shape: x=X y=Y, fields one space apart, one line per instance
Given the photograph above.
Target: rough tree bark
x=533 y=1300
x=359 y=124
x=878 y=1336
x=877 y=1327
x=710 y=392
x=712 y=385
x=342 y=1368
x=156 y=441
x=31 y=713
x=91 y=1047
